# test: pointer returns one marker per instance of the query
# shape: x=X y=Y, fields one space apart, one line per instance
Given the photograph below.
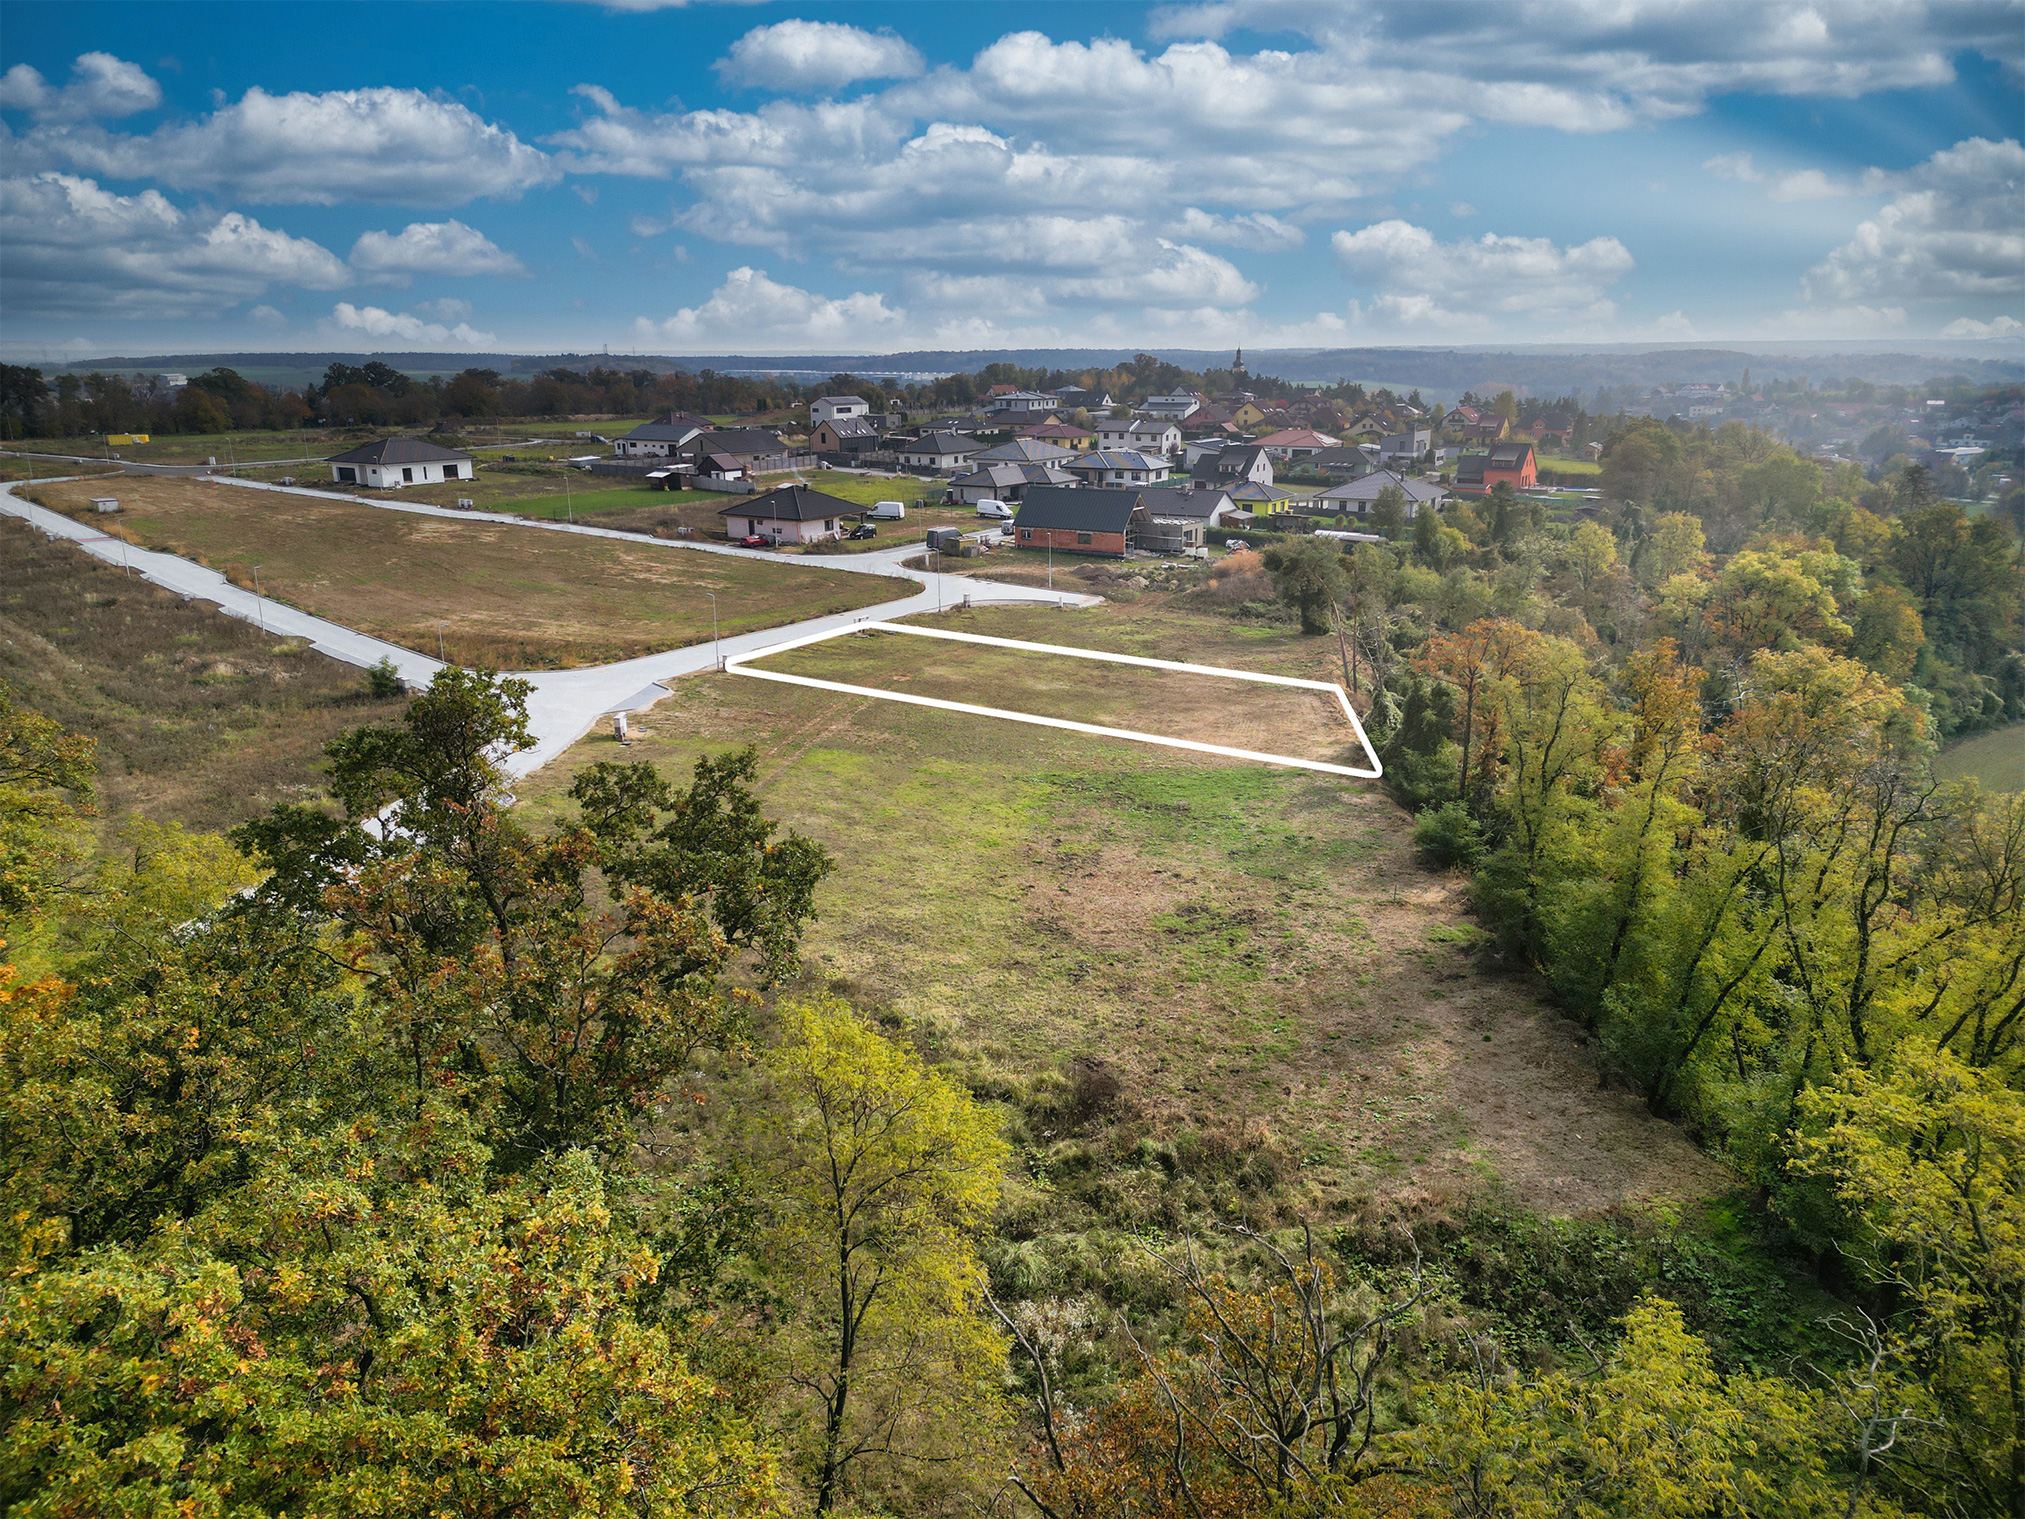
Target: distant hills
x=1442 y=372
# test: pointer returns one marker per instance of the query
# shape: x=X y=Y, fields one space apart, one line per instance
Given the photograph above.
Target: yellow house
x=1249 y=414
x=1065 y=434
x=1263 y=500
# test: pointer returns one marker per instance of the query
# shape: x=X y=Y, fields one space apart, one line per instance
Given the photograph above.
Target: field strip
x=737 y=665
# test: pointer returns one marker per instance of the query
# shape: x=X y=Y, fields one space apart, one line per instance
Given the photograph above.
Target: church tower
x=1237 y=366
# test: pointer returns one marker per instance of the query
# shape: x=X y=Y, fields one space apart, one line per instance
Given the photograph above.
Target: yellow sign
x=123 y=438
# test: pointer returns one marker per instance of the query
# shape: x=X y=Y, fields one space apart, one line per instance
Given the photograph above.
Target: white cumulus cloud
x=1657 y=58
x=1810 y=184
x=1258 y=230
x=751 y=313
x=1423 y=282
x=815 y=55
x=1954 y=228
x=74 y=246
x=1734 y=166
x=378 y=144
x=347 y=320
x=448 y=247
x=100 y=86
x=1996 y=327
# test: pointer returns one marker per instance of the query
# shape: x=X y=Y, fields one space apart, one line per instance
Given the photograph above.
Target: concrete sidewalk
x=564 y=704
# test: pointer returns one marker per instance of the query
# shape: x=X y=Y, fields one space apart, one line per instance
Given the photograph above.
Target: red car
x=754 y=541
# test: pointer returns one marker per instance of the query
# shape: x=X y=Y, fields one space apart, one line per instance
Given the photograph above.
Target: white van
x=997 y=511
x=887 y=511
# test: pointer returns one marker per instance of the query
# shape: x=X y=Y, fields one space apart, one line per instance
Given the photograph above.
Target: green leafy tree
x=365 y=1328
x=1928 y=1153
x=714 y=845
x=1388 y=512
x=1654 y=1432
x=1308 y=574
x=878 y=1170
x=46 y=786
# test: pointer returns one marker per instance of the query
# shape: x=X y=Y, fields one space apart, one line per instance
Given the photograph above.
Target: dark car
x=863 y=530
x=754 y=541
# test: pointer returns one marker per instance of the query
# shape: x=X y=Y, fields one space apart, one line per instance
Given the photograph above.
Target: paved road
x=564 y=704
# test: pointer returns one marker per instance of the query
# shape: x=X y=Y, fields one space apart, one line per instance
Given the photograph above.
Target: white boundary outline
x=736 y=665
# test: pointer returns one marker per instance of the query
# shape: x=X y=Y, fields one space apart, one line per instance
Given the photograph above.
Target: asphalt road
x=564 y=704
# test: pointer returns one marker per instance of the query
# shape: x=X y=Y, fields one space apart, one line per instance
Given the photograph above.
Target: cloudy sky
x=770 y=178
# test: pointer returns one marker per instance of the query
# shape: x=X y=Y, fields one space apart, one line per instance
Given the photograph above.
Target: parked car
x=754 y=541
x=863 y=530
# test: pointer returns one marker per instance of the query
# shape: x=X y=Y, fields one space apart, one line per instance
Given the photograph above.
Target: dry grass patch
x=199 y=718
x=505 y=596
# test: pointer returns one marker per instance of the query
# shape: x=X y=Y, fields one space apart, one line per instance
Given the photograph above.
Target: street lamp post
x=441 y=657
x=259 y=606
x=716 y=650
x=569 y=499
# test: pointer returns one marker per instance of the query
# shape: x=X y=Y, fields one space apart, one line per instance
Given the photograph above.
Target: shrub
x=383 y=680
x=1447 y=836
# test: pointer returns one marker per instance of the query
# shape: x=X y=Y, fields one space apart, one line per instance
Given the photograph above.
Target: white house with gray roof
x=394 y=462
x=837 y=409
x=1153 y=438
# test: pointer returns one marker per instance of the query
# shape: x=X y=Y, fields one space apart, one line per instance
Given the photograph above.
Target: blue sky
x=774 y=178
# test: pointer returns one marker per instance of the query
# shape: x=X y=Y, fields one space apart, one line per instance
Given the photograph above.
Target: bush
x=383 y=680
x=1447 y=836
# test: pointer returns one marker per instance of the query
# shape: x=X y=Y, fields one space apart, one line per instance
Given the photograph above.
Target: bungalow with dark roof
x=1024 y=451
x=1075 y=398
x=661 y=437
x=789 y=514
x=1356 y=497
x=394 y=462
x=1005 y=481
x=1080 y=520
x=1116 y=467
x=939 y=452
x=1343 y=462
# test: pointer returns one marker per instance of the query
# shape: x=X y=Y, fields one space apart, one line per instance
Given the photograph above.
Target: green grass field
x=1253 y=953
x=1996 y=759
x=505 y=596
